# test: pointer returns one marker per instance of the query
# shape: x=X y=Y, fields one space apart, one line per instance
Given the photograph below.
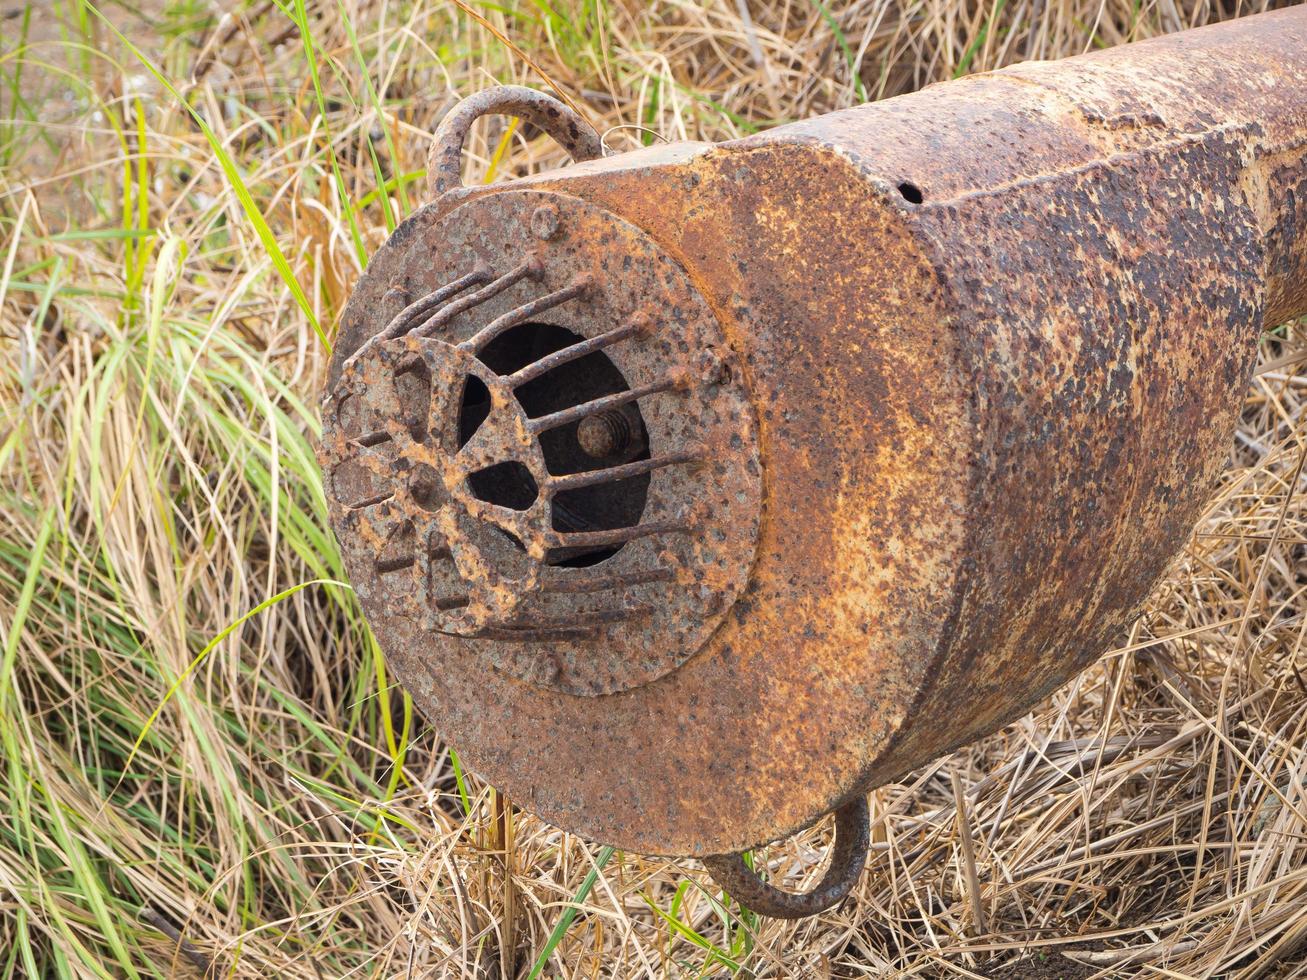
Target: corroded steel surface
x=567 y=128
x=469 y=508
x=982 y=348
x=847 y=856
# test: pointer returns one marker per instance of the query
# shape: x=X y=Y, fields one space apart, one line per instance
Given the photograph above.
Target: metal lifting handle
x=848 y=855
x=572 y=133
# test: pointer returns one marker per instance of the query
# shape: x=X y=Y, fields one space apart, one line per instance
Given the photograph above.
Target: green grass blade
x=13 y=631
x=301 y=18
x=377 y=108
x=565 y=922
x=978 y=41
x=843 y=42
x=234 y=178
x=222 y=635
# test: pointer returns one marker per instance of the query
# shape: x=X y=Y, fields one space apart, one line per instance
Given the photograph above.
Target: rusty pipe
x=913 y=404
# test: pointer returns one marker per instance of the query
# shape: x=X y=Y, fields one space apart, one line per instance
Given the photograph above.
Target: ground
x=204 y=764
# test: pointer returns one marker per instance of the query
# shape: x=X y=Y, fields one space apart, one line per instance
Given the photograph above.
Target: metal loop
x=569 y=130
x=848 y=855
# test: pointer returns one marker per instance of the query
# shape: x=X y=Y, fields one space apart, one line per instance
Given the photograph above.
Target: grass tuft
x=205 y=764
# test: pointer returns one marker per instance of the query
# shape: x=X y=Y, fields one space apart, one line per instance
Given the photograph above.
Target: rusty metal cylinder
x=917 y=401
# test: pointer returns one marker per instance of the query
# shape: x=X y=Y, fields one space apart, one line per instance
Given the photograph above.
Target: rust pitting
x=935 y=387
x=519 y=526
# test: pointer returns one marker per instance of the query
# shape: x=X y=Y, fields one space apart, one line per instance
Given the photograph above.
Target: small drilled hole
x=911 y=192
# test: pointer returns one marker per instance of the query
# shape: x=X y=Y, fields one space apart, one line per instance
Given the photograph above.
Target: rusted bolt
x=605 y=434
x=425 y=487
x=544 y=222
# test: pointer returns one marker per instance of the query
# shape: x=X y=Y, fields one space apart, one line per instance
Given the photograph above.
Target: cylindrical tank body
x=956 y=372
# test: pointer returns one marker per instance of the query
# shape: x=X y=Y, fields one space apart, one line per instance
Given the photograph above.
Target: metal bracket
x=848 y=855
x=564 y=124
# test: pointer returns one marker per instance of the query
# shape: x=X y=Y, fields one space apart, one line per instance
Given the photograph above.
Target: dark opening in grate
x=602 y=507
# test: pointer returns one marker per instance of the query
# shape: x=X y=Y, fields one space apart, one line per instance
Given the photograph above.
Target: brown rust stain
x=981 y=346
x=547 y=571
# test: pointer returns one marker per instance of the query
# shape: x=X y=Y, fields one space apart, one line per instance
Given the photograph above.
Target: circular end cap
x=527 y=465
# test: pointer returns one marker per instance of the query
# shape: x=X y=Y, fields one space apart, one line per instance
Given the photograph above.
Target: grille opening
x=507 y=484
x=603 y=507
x=474 y=409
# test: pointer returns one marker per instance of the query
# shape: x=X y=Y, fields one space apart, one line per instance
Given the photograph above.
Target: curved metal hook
x=574 y=134
x=848 y=855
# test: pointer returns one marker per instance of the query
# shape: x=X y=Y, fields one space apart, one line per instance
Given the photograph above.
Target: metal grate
x=547 y=461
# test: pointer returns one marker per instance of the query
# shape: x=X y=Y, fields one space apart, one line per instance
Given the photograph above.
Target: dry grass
x=204 y=760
